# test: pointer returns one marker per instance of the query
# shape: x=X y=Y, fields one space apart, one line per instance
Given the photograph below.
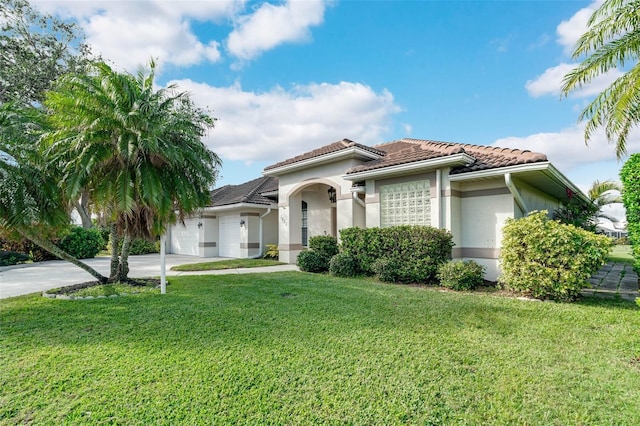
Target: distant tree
x=137 y=149
x=35 y=49
x=31 y=204
x=603 y=194
x=612 y=40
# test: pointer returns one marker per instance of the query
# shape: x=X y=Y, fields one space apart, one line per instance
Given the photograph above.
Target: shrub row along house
x=469 y=190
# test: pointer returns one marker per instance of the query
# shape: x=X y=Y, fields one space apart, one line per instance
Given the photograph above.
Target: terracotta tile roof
x=248 y=192
x=407 y=151
x=327 y=149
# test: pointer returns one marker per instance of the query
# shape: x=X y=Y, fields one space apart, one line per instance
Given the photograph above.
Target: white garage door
x=230 y=236
x=185 y=239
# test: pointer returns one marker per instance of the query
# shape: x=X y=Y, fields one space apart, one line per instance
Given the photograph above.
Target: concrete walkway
x=614 y=280
x=37 y=277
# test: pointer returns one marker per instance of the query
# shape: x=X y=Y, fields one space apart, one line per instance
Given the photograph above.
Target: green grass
x=226 y=264
x=621 y=253
x=295 y=348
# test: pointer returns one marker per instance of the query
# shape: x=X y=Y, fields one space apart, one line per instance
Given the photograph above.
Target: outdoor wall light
x=332 y=195
x=242 y=222
x=199 y=225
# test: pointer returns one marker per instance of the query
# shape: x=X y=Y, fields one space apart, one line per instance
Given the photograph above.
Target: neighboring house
x=469 y=190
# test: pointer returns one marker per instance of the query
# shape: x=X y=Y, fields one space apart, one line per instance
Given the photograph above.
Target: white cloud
x=550 y=82
x=571 y=30
x=129 y=33
x=271 y=25
x=566 y=149
x=270 y=126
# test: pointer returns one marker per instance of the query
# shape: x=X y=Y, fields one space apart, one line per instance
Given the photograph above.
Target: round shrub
x=547 y=259
x=343 y=265
x=325 y=245
x=312 y=261
x=461 y=275
x=82 y=243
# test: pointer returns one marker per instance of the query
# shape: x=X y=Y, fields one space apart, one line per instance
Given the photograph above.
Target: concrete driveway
x=37 y=277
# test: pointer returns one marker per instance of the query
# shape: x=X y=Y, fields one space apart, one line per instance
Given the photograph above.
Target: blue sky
x=285 y=77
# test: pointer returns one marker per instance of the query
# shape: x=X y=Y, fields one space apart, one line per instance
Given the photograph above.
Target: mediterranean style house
x=469 y=190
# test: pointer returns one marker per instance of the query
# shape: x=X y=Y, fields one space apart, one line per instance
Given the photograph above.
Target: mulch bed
x=134 y=282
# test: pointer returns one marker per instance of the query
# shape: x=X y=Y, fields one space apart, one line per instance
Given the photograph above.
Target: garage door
x=230 y=236
x=185 y=239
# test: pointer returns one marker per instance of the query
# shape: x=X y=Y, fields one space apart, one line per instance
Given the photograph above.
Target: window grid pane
x=405 y=204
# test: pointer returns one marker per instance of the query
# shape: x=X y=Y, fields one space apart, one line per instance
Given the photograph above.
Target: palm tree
x=612 y=40
x=138 y=150
x=31 y=204
x=603 y=194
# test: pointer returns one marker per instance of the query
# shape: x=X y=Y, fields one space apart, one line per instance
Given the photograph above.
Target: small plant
x=461 y=275
x=312 y=261
x=343 y=265
x=272 y=252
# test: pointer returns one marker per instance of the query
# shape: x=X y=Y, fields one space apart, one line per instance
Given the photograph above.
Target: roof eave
x=234 y=206
x=351 y=152
x=433 y=163
x=543 y=166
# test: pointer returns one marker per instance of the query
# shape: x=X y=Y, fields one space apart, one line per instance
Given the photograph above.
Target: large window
x=305 y=233
x=405 y=204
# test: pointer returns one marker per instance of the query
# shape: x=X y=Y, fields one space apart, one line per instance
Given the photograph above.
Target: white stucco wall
x=485 y=205
x=536 y=199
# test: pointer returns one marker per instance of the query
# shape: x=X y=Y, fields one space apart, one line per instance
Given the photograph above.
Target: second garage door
x=230 y=236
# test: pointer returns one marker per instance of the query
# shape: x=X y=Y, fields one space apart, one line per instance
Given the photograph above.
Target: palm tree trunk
x=123 y=267
x=115 y=242
x=57 y=251
x=82 y=207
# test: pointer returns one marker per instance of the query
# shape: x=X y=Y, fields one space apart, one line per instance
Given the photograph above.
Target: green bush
x=412 y=253
x=630 y=177
x=547 y=259
x=26 y=247
x=142 y=246
x=326 y=245
x=82 y=243
x=12 y=258
x=343 y=265
x=461 y=275
x=139 y=246
x=312 y=261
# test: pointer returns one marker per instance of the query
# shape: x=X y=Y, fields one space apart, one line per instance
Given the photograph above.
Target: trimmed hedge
x=407 y=254
x=139 y=246
x=82 y=243
x=630 y=177
x=12 y=258
x=547 y=259
x=461 y=275
x=343 y=265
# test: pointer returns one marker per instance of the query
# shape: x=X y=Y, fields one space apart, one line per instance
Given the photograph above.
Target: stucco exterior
x=466 y=189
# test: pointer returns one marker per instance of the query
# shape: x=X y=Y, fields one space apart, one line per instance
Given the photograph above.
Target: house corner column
x=290 y=229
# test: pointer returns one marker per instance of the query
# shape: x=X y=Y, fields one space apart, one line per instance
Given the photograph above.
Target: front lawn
x=296 y=348
x=621 y=253
x=226 y=264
